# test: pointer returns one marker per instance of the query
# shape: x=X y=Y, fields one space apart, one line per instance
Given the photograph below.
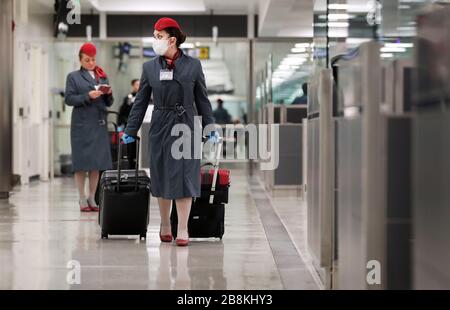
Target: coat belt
x=177 y=108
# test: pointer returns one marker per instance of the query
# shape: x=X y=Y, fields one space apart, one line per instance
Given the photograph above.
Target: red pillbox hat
x=166 y=22
x=88 y=49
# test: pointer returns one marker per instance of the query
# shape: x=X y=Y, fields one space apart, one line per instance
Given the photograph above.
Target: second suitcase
x=205 y=220
x=207 y=216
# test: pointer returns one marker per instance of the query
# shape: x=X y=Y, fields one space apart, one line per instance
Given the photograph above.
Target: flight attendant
x=88 y=131
x=177 y=83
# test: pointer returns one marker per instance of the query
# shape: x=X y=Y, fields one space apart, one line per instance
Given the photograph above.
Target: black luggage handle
x=119 y=152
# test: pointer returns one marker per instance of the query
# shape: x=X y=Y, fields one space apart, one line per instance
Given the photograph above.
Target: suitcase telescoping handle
x=119 y=152
x=113 y=113
x=216 y=167
x=116 y=127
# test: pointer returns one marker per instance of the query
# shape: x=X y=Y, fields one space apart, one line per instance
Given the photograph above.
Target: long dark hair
x=177 y=33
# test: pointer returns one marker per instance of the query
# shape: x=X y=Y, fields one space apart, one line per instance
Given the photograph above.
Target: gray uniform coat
x=172 y=178
x=88 y=131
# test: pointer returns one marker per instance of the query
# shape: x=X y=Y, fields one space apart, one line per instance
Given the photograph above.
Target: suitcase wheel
x=104 y=235
x=143 y=236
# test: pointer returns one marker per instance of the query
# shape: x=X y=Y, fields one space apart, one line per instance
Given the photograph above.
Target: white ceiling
x=286 y=18
x=173 y=6
x=277 y=18
x=143 y=6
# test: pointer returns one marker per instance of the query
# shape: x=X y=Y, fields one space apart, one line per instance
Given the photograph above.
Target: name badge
x=166 y=75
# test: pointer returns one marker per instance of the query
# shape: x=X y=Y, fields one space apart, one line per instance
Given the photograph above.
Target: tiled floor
x=43 y=237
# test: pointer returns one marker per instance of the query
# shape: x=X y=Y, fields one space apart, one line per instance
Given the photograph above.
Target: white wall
x=236 y=57
x=119 y=80
x=33 y=41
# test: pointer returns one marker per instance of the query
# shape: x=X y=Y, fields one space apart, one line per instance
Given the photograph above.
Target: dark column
x=6 y=95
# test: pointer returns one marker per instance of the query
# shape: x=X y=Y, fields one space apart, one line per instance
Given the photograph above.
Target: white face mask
x=161 y=46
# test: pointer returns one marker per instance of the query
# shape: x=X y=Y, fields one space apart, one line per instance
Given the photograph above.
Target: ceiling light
x=393 y=49
x=298 y=50
x=356 y=40
x=406 y=28
x=337 y=6
x=301 y=55
x=142 y=6
x=339 y=16
x=409 y=45
x=337 y=34
x=338 y=24
x=386 y=55
x=299 y=45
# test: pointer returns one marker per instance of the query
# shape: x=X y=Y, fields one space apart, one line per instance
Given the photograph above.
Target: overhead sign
x=203 y=52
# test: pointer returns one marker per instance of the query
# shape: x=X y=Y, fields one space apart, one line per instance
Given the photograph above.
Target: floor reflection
x=7 y=211
x=41 y=230
x=198 y=266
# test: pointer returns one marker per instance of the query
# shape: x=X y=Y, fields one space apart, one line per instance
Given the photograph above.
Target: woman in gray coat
x=88 y=131
x=176 y=81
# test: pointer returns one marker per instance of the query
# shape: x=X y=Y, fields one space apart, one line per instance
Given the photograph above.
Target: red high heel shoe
x=93 y=207
x=165 y=238
x=182 y=242
x=84 y=207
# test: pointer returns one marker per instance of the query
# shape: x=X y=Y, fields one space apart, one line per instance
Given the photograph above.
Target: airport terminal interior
x=334 y=129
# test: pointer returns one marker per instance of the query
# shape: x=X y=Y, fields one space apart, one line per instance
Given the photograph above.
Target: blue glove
x=214 y=137
x=128 y=139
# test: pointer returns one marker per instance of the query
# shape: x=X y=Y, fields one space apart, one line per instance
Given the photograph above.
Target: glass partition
x=341 y=25
x=282 y=67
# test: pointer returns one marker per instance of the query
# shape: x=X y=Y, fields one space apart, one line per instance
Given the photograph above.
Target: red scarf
x=171 y=62
x=99 y=73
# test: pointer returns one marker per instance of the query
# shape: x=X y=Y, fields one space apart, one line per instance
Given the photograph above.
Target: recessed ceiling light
x=393 y=49
x=298 y=45
x=338 y=6
x=338 y=24
x=409 y=45
x=298 y=50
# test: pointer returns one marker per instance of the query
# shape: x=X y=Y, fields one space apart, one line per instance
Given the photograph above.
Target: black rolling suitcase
x=124 y=205
x=207 y=217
